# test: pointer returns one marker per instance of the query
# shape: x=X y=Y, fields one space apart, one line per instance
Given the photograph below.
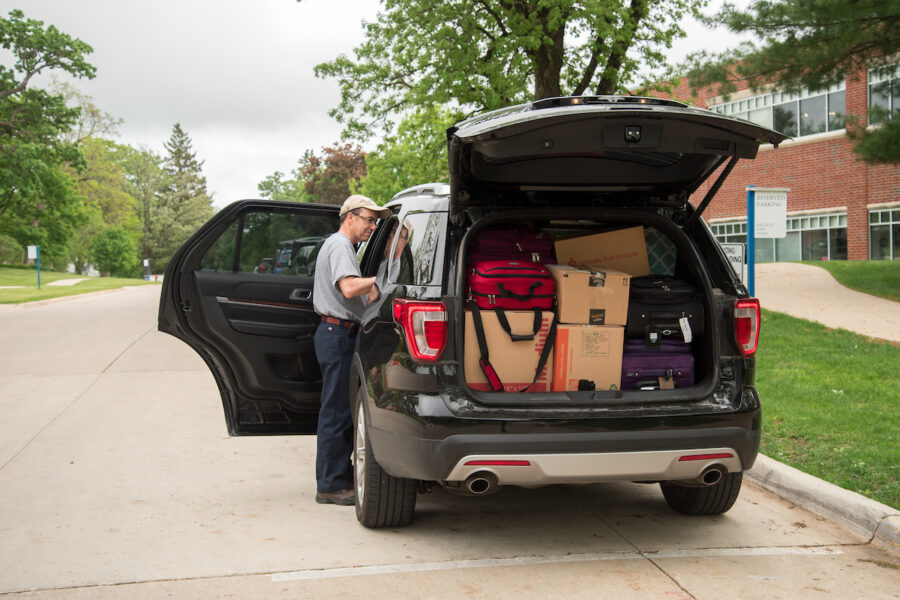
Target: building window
x=884 y=234
x=816 y=237
x=793 y=114
x=884 y=91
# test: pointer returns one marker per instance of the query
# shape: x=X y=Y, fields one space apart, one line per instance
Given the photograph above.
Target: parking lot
x=118 y=480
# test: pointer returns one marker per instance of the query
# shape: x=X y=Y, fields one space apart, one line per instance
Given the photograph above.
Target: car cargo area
x=587 y=307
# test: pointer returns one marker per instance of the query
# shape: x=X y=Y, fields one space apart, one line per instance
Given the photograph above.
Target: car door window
x=424 y=231
x=270 y=243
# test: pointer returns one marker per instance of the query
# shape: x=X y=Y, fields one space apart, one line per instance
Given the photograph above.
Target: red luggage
x=513 y=243
x=510 y=284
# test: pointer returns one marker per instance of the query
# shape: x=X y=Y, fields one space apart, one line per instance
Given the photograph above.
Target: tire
x=381 y=500
x=712 y=500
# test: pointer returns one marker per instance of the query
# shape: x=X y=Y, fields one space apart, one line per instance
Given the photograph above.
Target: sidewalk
x=808 y=292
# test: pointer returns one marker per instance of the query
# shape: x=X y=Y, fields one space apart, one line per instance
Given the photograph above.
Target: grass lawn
x=26 y=290
x=876 y=277
x=831 y=404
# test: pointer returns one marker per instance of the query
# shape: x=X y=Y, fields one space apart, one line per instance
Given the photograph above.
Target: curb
x=874 y=521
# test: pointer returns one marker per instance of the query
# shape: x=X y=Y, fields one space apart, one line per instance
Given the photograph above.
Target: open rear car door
x=239 y=292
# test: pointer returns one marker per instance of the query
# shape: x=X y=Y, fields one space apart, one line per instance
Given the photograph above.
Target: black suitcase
x=662 y=307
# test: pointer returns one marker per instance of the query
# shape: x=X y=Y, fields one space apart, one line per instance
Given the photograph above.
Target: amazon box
x=621 y=249
x=514 y=362
x=587 y=357
x=590 y=296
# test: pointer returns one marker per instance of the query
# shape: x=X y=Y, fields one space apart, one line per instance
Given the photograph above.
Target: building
x=839 y=208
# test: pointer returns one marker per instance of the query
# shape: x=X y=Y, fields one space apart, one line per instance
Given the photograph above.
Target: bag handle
x=518 y=337
x=522 y=297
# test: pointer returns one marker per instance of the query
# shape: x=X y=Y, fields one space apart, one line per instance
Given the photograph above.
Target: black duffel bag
x=662 y=307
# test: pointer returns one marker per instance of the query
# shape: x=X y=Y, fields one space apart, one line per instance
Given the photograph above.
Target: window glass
x=762 y=116
x=278 y=243
x=815 y=244
x=788 y=247
x=812 y=115
x=785 y=116
x=764 y=251
x=220 y=256
x=880 y=242
x=879 y=98
x=837 y=109
x=837 y=243
x=422 y=244
x=896 y=243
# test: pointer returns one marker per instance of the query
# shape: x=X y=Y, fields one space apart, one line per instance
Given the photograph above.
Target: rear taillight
x=746 y=325
x=424 y=325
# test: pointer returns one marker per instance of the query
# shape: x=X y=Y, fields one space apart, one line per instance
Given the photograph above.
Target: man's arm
x=353 y=286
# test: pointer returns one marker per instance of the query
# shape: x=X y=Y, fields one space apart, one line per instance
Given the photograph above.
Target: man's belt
x=336 y=321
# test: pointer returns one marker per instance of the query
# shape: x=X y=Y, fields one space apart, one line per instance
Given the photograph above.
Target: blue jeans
x=334 y=435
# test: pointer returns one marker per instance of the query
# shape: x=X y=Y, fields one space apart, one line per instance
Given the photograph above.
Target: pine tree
x=185 y=205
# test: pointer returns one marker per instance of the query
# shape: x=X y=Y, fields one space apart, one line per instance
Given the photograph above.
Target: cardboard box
x=590 y=296
x=588 y=352
x=514 y=362
x=621 y=249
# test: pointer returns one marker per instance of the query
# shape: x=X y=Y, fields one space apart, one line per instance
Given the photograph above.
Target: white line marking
x=538 y=560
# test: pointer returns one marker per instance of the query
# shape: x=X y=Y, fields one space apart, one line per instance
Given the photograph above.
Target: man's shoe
x=341 y=497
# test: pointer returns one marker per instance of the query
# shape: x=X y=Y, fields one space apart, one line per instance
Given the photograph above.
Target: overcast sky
x=237 y=75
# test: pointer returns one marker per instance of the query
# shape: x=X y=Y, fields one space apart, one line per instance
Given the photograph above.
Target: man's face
x=362 y=224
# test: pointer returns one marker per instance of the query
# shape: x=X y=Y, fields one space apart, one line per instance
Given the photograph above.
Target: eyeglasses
x=369 y=220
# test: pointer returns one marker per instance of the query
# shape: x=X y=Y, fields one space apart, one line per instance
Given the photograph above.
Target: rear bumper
x=539 y=469
x=580 y=457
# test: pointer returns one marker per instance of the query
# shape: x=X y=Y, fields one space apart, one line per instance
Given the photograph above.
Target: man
x=340 y=295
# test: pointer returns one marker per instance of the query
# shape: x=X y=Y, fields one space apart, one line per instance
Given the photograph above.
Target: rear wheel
x=381 y=500
x=712 y=500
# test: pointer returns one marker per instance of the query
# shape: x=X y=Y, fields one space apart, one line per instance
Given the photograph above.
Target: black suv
x=567 y=165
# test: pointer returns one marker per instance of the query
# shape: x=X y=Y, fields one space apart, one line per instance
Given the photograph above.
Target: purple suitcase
x=642 y=367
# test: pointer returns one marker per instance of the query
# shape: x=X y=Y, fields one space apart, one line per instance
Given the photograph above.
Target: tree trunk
x=549 y=60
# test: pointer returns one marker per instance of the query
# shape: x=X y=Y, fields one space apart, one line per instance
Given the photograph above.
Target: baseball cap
x=357 y=201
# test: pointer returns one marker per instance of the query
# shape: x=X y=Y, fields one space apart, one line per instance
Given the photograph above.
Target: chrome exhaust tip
x=482 y=483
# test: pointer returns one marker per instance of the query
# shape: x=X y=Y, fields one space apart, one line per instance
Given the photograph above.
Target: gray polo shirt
x=336 y=260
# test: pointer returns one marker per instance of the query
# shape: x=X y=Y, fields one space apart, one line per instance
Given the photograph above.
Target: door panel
x=240 y=293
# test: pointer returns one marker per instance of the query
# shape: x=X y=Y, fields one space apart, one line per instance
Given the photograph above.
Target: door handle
x=300 y=294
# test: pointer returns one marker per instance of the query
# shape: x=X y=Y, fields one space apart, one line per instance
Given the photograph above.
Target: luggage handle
x=522 y=297
x=519 y=337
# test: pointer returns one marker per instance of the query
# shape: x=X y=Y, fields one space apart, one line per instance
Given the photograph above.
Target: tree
x=284 y=189
x=808 y=44
x=146 y=182
x=38 y=202
x=103 y=187
x=486 y=54
x=185 y=204
x=416 y=154
x=327 y=179
x=114 y=252
x=92 y=122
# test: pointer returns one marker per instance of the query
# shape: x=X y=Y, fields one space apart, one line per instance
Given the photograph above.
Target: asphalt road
x=118 y=480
